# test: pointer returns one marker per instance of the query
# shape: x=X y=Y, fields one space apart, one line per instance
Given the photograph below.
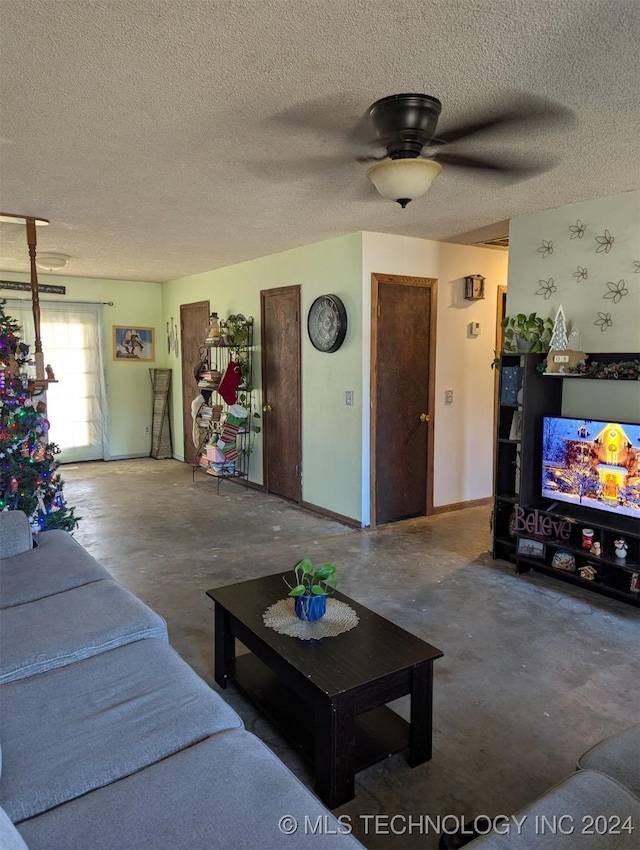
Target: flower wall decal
x=546 y=249
x=605 y=242
x=577 y=230
x=580 y=274
x=636 y=263
x=604 y=321
x=617 y=291
x=547 y=288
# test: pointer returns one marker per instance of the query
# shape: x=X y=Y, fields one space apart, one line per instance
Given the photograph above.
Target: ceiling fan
x=405 y=127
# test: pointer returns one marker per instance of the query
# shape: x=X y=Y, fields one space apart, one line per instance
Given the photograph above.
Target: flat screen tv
x=592 y=464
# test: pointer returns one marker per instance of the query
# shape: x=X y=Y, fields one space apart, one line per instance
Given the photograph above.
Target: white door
x=72 y=344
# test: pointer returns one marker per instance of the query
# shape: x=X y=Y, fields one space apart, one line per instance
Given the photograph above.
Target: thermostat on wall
x=474 y=328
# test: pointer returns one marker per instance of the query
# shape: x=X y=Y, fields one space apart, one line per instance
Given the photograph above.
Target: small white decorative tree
x=559 y=338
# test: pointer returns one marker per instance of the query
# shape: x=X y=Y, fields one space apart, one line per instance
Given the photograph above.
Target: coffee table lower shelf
x=379 y=732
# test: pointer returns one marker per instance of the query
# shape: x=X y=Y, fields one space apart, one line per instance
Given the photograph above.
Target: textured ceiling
x=171 y=137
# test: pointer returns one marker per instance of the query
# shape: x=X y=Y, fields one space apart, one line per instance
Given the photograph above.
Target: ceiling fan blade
x=365 y=159
x=288 y=169
x=525 y=109
x=515 y=169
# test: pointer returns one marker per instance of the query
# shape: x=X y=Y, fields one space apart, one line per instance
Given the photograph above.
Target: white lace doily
x=282 y=618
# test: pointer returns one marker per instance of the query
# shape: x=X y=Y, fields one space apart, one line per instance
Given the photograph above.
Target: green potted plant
x=313 y=585
x=235 y=330
x=527 y=333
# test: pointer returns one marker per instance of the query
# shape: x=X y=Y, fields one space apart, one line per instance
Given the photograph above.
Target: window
x=72 y=344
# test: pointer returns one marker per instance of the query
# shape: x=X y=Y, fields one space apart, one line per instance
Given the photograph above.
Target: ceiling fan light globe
x=404 y=180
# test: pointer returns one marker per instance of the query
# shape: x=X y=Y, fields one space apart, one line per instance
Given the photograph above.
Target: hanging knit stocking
x=230 y=382
x=227 y=440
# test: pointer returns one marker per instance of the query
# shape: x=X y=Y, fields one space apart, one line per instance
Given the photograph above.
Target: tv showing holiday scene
x=593 y=464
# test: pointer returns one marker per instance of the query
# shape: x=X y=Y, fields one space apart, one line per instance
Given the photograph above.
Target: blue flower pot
x=310 y=607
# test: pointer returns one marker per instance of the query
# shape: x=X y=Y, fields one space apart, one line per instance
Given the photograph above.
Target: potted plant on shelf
x=526 y=333
x=235 y=331
x=313 y=585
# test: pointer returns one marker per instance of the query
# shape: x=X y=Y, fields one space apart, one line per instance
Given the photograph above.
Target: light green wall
x=331 y=431
x=584 y=301
x=128 y=386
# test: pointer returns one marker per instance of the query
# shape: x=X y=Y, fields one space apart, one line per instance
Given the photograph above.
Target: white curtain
x=72 y=343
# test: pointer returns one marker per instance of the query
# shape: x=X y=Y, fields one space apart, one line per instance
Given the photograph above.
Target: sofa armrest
x=15 y=533
x=618 y=757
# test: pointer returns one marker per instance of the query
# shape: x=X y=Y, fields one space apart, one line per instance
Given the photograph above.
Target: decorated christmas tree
x=29 y=480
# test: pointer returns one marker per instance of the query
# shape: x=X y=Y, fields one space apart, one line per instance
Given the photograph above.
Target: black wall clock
x=327 y=323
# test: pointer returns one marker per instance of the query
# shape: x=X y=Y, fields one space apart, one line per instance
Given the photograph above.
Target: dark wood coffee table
x=328 y=695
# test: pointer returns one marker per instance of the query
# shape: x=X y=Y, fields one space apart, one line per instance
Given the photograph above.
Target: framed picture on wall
x=134 y=344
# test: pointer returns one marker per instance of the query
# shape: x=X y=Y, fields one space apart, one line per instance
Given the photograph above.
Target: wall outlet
x=448 y=396
x=348 y=398
x=147 y=429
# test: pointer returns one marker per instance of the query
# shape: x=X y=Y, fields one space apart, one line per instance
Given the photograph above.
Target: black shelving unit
x=216 y=356
x=518 y=469
x=519 y=449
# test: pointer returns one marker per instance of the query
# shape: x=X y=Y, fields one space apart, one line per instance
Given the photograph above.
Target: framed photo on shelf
x=531 y=548
x=516 y=426
x=134 y=344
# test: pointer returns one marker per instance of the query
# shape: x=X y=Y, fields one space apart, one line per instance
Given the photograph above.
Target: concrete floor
x=534 y=671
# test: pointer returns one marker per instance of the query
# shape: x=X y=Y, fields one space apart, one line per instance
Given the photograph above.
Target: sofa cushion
x=69 y=626
x=587 y=811
x=76 y=728
x=58 y=563
x=229 y=792
x=10 y=838
x=618 y=757
x=15 y=533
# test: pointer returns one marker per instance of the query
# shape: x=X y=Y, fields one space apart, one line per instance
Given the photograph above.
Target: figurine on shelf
x=214 y=328
x=50 y=373
x=588 y=572
x=595 y=548
x=564 y=561
x=587 y=538
x=620 y=547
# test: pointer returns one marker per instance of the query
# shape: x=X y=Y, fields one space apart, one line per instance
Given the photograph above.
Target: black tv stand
x=546 y=535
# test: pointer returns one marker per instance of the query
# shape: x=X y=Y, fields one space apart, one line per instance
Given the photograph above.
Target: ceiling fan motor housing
x=405 y=123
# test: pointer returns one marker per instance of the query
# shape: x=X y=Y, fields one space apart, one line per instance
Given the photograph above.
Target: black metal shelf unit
x=518 y=498
x=216 y=356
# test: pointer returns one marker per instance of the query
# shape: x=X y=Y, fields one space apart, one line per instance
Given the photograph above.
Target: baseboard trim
x=460 y=506
x=346 y=520
x=253 y=485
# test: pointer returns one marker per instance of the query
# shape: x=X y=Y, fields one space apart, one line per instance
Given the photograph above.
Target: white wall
x=463 y=431
x=584 y=301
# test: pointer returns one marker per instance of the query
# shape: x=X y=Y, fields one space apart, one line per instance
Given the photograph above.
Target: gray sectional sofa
x=108 y=738
x=595 y=808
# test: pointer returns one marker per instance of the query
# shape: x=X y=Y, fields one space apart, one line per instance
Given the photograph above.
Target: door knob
x=266 y=408
x=424 y=417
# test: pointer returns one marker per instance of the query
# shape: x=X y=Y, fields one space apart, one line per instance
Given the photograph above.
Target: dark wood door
x=403 y=349
x=194 y=327
x=280 y=310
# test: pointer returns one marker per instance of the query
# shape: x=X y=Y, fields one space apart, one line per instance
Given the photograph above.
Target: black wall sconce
x=474 y=287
